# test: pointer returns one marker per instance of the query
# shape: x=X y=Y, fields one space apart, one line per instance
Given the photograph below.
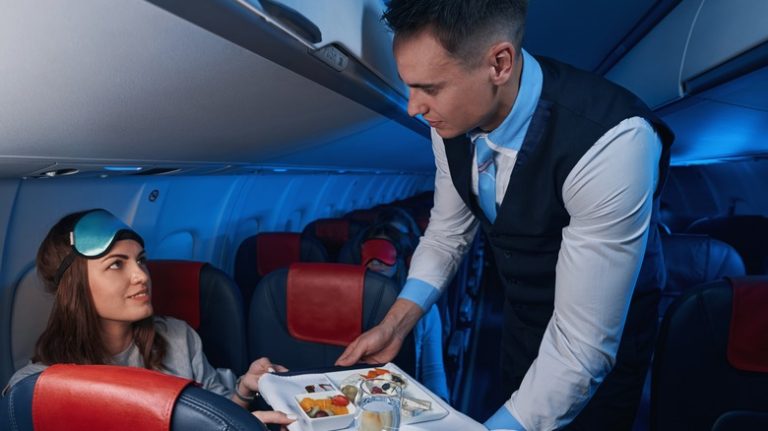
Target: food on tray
x=323 y=407
x=413 y=407
x=350 y=392
x=322 y=387
x=383 y=373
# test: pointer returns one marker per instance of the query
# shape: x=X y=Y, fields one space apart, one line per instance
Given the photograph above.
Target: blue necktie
x=486 y=177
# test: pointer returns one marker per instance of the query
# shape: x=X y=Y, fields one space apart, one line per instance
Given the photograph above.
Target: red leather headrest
x=176 y=289
x=277 y=250
x=332 y=232
x=104 y=397
x=379 y=249
x=747 y=348
x=325 y=302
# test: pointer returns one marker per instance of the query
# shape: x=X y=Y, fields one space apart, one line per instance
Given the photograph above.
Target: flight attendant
x=562 y=170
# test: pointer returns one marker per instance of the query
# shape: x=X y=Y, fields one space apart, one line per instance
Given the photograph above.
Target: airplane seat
x=692 y=260
x=305 y=315
x=333 y=233
x=742 y=421
x=265 y=252
x=72 y=397
x=746 y=233
x=30 y=309
x=711 y=356
x=209 y=301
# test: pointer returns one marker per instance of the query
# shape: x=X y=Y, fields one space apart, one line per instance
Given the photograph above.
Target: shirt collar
x=511 y=131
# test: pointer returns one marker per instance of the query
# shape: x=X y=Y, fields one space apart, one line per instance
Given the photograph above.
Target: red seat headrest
x=277 y=250
x=332 y=232
x=176 y=289
x=104 y=397
x=325 y=302
x=747 y=345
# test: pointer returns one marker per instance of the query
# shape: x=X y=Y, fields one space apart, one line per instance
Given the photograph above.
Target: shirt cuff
x=420 y=292
x=503 y=419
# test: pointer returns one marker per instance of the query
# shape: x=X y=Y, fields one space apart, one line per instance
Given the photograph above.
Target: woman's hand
x=275 y=418
x=247 y=385
x=250 y=380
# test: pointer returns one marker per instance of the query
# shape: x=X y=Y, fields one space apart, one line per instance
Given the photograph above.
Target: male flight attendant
x=561 y=169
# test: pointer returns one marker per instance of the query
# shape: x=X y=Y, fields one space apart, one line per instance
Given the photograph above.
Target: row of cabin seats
x=710 y=367
x=342 y=240
x=690 y=260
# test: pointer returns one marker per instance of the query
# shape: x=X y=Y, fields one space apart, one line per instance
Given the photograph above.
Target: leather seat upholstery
x=748 y=234
x=692 y=260
x=265 y=252
x=333 y=233
x=219 y=308
x=695 y=379
x=194 y=408
x=268 y=321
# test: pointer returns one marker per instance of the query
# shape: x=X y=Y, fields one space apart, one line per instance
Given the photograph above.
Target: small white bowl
x=327 y=423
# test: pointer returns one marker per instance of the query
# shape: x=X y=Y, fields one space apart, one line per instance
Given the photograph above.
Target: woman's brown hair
x=73 y=333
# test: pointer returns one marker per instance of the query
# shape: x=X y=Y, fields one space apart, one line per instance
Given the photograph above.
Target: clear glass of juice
x=379 y=405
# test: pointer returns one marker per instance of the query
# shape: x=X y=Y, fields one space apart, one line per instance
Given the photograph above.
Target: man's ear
x=502 y=59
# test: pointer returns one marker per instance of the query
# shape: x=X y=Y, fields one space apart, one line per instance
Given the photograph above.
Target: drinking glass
x=379 y=405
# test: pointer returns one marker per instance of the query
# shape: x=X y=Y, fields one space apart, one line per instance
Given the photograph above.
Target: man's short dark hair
x=461 y=26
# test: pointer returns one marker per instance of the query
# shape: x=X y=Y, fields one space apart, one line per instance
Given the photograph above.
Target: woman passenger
x=102 y=313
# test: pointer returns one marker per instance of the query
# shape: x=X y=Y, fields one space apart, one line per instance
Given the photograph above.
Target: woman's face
x=382 y=268
x=120 y=284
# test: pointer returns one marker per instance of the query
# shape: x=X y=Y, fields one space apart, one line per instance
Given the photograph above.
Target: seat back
x=332 y=233
x=692 y=260
x=705 y=340
x=76 y=397
x=748 y=234
x=261 y=254
x=304 y=316
x=209 y=301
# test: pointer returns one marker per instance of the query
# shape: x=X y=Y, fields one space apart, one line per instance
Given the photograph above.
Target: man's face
x=452 y=97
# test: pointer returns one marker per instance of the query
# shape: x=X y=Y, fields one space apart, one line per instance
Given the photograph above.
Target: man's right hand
x=375 y=346
x=381 y=343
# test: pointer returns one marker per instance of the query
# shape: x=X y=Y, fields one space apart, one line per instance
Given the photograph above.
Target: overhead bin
x=350 y=44
x=723 y=30
x=695 y=38
x=664 y=48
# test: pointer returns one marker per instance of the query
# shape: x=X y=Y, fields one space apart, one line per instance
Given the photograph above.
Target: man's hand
x=381 y=343
x=376 y=346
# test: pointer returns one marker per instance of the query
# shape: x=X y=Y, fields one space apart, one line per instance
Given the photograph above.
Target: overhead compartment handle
x=286 y=19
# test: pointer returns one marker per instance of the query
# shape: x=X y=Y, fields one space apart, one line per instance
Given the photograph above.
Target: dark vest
x=575 y=109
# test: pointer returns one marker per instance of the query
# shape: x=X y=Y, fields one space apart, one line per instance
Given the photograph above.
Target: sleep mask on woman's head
x=380 y=249
x=93 y=235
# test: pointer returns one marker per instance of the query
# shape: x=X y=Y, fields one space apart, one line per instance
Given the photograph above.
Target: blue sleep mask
x=93 y=235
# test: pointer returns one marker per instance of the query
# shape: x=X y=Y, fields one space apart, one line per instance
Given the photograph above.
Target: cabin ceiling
x=126 y=82
x=582 y=33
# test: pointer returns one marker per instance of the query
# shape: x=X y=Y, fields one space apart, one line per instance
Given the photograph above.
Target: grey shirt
x=184 y=358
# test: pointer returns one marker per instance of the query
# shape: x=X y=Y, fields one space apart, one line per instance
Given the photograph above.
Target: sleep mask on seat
x=379 y=249
x=93 y=235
